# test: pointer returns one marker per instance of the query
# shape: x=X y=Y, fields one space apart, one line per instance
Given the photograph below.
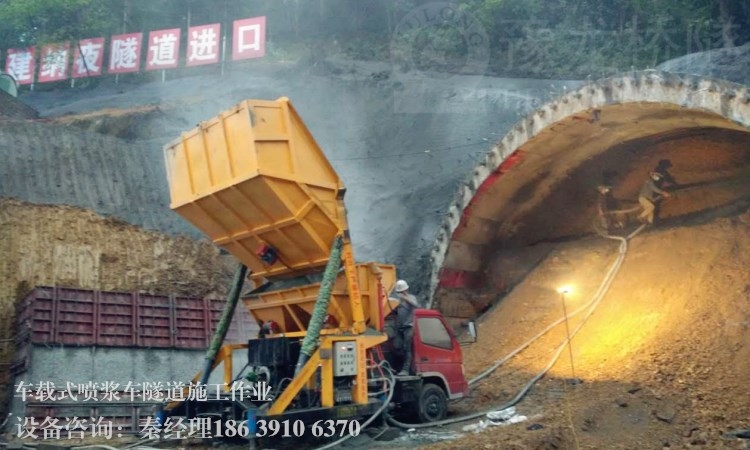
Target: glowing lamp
x=565 y=289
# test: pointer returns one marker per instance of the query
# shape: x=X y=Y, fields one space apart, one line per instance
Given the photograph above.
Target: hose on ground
x=392 y=388
x=523 y=346
x=598 y=296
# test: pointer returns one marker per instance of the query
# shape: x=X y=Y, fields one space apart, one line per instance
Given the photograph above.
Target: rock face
x=69 y=246
x=401 y=144
x=732 y=64
x=54 y=163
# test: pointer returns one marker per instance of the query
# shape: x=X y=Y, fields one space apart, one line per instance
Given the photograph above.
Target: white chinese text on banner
x=203 y=45
x=53 y=63
x=249 y=38
x=125 y=53
x=20 y=64
x=88 y=58
x=163 y=49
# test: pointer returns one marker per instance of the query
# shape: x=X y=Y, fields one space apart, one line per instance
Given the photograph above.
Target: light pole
x=565 y=290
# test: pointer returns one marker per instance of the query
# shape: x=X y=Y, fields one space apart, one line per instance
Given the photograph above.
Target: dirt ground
x=73 y=247
x=663 y=360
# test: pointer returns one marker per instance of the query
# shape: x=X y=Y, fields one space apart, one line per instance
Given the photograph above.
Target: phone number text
x=297 y=428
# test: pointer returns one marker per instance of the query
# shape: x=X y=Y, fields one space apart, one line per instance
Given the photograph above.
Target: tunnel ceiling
x=539 y=182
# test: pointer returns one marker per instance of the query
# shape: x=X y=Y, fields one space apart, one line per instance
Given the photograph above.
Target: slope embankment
x=54 y=245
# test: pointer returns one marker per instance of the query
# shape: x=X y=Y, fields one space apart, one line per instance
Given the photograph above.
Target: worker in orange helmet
x=650 y=193
x=405 y=323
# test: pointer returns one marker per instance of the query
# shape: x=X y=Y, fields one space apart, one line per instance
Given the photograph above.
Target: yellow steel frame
x=347 y=256
x=321 y=361
x=215 y=189
x=325 y=363
x=323 y=357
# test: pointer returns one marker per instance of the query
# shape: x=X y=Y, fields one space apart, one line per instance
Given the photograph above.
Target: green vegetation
x=534 y=38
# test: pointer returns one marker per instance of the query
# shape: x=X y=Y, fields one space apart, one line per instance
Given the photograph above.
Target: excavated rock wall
x=50 y=163
x=401 y=146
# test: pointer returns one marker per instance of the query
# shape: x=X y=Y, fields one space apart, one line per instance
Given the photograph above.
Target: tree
x=33 y=22
x=727 y=23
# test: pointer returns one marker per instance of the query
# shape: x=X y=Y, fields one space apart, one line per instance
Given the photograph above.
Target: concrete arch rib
x=558 y=137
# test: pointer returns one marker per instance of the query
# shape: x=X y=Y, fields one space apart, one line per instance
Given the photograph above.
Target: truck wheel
x=433 y=405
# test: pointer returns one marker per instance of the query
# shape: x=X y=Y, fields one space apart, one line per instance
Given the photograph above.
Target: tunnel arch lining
x=728 y=103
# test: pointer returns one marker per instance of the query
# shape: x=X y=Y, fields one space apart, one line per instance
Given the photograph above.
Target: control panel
x=344 y=358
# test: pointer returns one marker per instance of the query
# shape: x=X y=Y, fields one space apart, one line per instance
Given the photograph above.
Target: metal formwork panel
x=190 y=323
x=52 y=315
x=116 y=324
x=154 y=321
x=75 y=316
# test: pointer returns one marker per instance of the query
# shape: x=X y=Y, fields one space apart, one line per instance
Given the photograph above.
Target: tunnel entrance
x=538 y=185
x=673 y=317
x=710 y=171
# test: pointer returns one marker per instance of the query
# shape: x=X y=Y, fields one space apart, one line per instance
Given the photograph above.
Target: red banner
x=125 y=53
x=163 y=49
x=88 y=58
x=203 y=45
x=53 y=63
x=249 y=38
x=20 y=64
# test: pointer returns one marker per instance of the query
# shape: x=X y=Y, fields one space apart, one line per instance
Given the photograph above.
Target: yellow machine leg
x=291 y=391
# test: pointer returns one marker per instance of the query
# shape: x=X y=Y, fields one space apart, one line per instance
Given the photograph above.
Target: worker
x=662 y=168
x=267 y=328
x=605 y=204
x=405 y=323
x=648 y=196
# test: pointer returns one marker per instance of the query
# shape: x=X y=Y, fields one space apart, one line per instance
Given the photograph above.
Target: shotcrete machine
x=254 y=180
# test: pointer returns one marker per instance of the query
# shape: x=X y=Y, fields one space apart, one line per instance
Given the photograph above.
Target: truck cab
x=437 y=353
x=438 y=369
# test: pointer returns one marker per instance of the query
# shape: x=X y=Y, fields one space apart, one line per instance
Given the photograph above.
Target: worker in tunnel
x=662 y=168
x=650 y=193
x=605 y=205
x=404 y=324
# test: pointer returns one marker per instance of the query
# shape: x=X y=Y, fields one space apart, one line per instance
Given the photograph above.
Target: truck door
x=437 y=350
